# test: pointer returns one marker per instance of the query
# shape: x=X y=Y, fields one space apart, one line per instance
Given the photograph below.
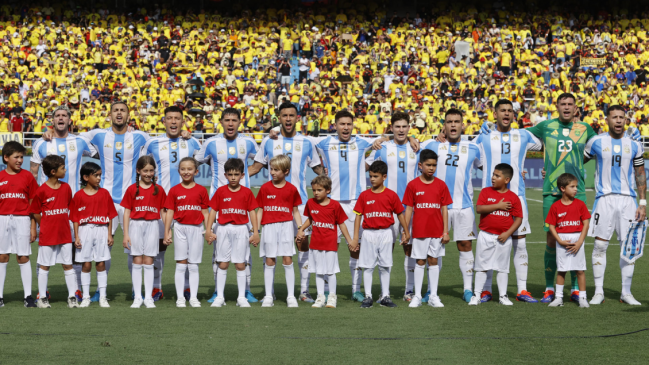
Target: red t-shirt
x=324 y=221
x=92 y=209
x=427 y=201
x=378 y=209
x=187 y=204
x=499 y=221
x=146 y=205
x=16 y=191
x=278 y=203
x=52 y=205
x=568 y=218
x=233 y=206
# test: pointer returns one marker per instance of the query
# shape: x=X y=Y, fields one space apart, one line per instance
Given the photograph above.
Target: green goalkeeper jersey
x=564 y=151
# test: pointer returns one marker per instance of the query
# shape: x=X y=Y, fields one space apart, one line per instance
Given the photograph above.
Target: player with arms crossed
x=615 y=207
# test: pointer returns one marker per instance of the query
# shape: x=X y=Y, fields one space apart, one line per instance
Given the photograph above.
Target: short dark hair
x=503 y=102
x=343 y=114
x=286 y=105
x=322 y=180
x=565 y=179
x=52 y=162
x=379 y=167
x=12 y=147
x=426 y=155
x=566 y=96
x=88 y=169
x=453 y=111
x=397 y=116
x=173 y=109
x=615 y=107
x=232 y=111
x=233 y=164
x=506 y=169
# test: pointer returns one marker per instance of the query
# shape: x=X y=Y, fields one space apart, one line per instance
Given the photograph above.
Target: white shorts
x=492 y=254
x=308 y=231
x=376 y=248
x=567 y=261
x=424 y=247
x=57 y=254
x=119 y=220
x=462 y=222
x=524 y=228
x=94 y=244
x=232 y=243
x=612 y=213
x=348 y=207
x=15 y=235
x=323 y=262
x=188 y=239
x=277 y=240
x=144 y=240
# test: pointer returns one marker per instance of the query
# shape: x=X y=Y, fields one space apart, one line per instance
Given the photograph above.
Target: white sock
x=42 y=282
x=85 y=284
x=319 y=284
x=433 y=279
x=367 y=282
x=269 y=275
x=409 y=268
x=356 y=275
x=502 y=278
x=158 y=265
x=582 y=294
x=559 y=292
x=241 y=283
x=223 y=275
x=26 y=275
x=77 y=273
x=627 y=276
x=289 y=273
x=480 y=279
x=102 y=283
x=136 y=275
x=70 y=282
x=419 y=279
x=303 y=263
x=179 y=277
x=149 y=279
x=3 y=275
x=249 y=272
x=599 y=264
x=487 y=283
x=193 y=280
x=384 y=274
x=332 y=284
x=520 y=263
x=466 y=266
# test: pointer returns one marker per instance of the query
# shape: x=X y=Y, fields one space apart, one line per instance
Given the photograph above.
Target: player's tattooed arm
x=319 y=170
x=641 y=185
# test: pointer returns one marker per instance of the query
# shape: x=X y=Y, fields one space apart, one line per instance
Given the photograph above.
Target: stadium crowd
x=323 y=59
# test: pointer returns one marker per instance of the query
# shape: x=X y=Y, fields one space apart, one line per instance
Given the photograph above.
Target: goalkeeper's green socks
x=550 y=260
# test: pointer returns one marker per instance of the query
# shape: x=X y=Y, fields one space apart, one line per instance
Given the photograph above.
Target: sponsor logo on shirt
x=427 y=206
x=272 y=208
x=50 y=199
x=181 y=197
x=146 y=209
x=324 y=225
x=332 y=148
x=12 y=196
x=4 y=183
x=315 y=211
x=82 y=208
x=370 y=202
x=278 y=147
x=56 y=211
x=233 y=211
x=491 y=200
x=182 y=208
x=139 y=198
x=103 y=220
x=378 y=215
x=501 y=213
x=562 y=214
x=270 y=196
x=554 y=133
x=227 y=199
x=419 y=193
x=568 y=224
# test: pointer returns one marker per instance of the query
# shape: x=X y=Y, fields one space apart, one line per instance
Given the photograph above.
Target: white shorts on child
x=232 y=243
x=323 y=262
x=462 y=222
x=15 y=234
x=56 y=254
x=424 y=247
x=277 y=240
x=188 y=239
x=567 y=261
x=492 y=254
x=376 y=248
x=612 y=213
x=144 y=237
x=94 y=243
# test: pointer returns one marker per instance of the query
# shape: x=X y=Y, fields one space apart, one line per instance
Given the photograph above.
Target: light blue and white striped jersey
x=345 y=162
x=219 y=149
x=402 y=165
x=118 y=154
x=300 y=149
x=167 y=153
x=72 y=149
x=510 y=148
x=616 y=159
x=454 y=162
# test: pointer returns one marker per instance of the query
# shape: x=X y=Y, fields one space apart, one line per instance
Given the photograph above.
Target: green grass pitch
x=455 y=334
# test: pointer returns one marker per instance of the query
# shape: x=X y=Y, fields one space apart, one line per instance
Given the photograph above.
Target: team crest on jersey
x=515 y=137
x=463 y=150
x=565 y=132
x=129 y=145
x=402 y=154
x=287 y=146
x=352 y=146
x=278 y=147
x=343 y=147
x=616 y=149
x=554 y=133
x=61 y=148
x=242 y=151
x=221 y=152
x=174 y=145
x=183 y=144
x=627 y=149
x=505 y=137
x=453 y=149
x=298 y=147
x=495 y=138
x=412 y=155
x=118 y=145
x=71 y=147
x=232 y=150
x=577 y=133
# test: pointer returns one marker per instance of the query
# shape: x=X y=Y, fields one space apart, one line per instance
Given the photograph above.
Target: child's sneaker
x=319 y=302
x=29 y=302
x=367 y=302
x=358 y=297
x=598 y=298
x=149 y=303
x=486 y=296
x=43 y=303
x=137 y=303
x=525 y=296
x=291 y=302
x=267 y=302
x=583 y=302
x=95 y=298
x=195 y=303
x=212 y=298
x=408 y=296
x=415 y=302
x=387 y=302
x=181 y=303
x=435 y=302
x=85 y=302
x=475 y=300
x=426 y=297
x=468 y=294
x=332 y=301
x=103 y=302
x=557 y=302
x=574 y=296
x=306 y=297
x=72 y=302
x=243 y=302
x=157 y=294
x=629 y=299
x=504 y=300
x=218 y=302
x=548 y=296
x=251 y=298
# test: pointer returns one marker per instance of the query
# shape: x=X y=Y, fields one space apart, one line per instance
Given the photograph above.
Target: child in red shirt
x=143 y=208
x=325 y=215
x=92 y=211
x=569 y=219
x=279 y=201
x=500 y=216
x=17 y=189
x=186 y=206
x=50 y=210
x=233 y=203
x=427 y=199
